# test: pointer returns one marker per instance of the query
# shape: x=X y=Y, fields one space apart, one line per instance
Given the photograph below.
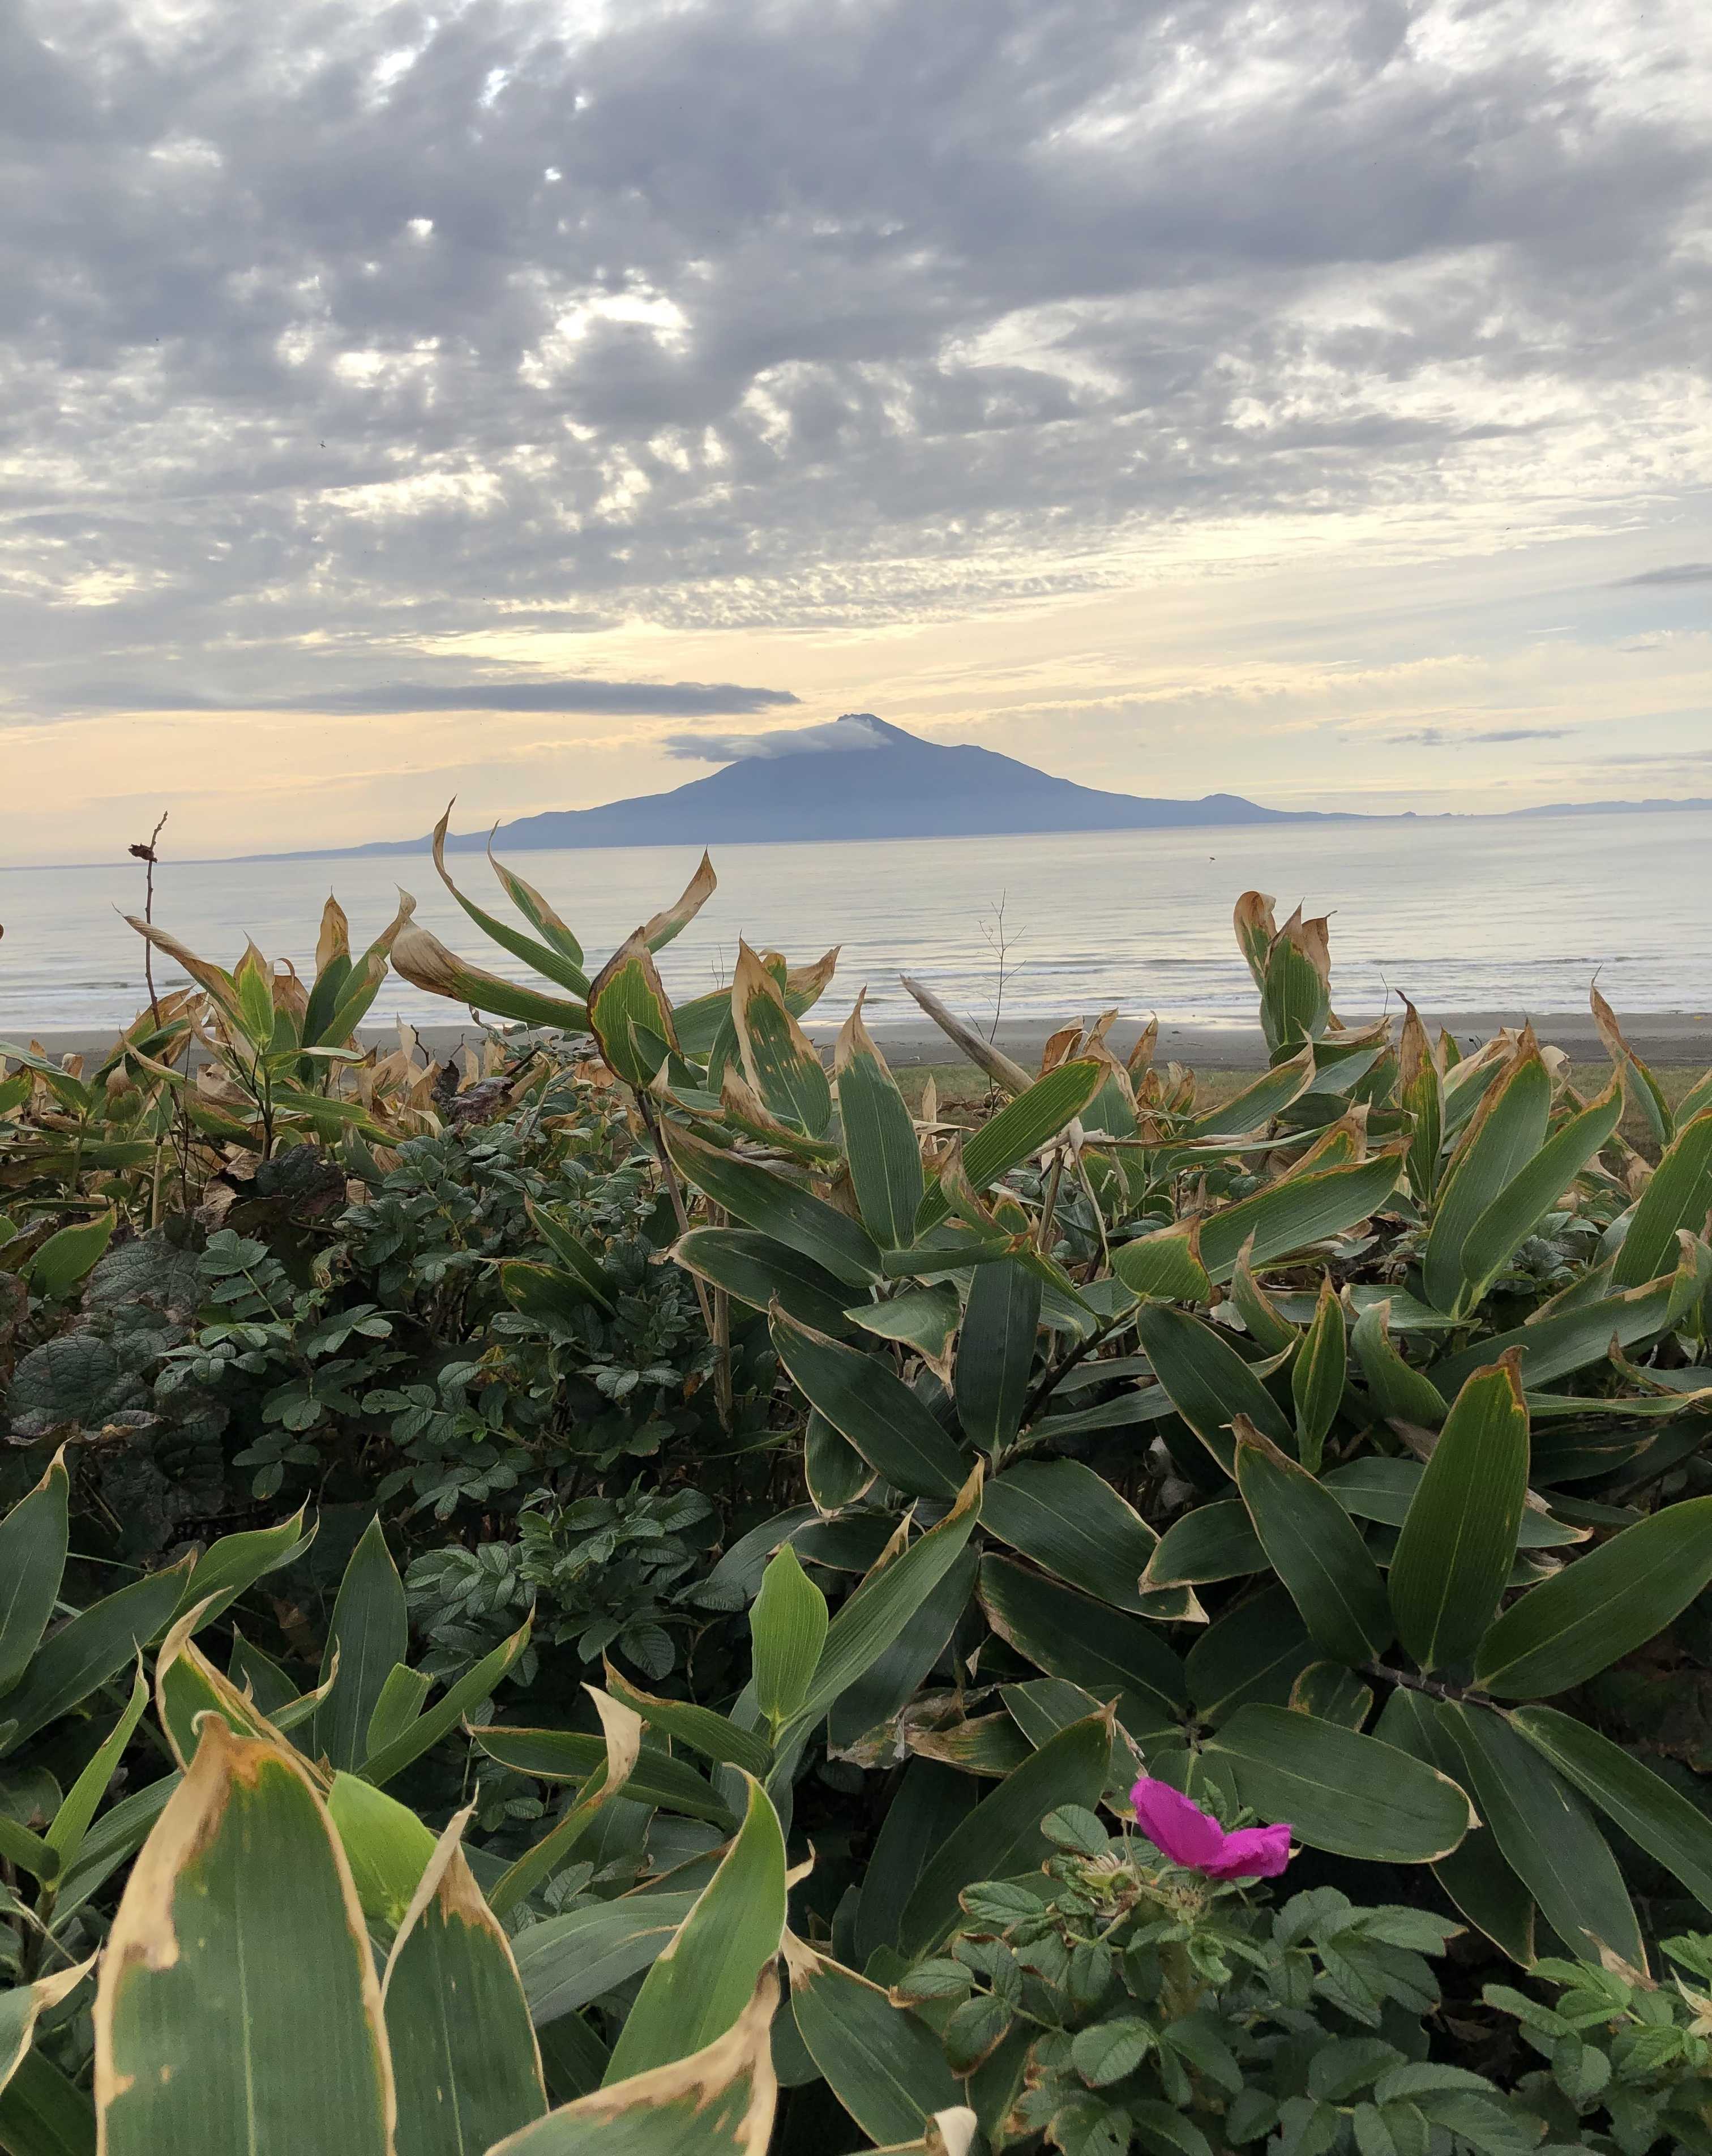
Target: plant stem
x=657 y=1137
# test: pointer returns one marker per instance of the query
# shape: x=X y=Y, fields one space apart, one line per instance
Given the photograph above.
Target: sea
x=1460 y=915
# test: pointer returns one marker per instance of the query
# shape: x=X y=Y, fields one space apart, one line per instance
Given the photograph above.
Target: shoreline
x=1671 y=1038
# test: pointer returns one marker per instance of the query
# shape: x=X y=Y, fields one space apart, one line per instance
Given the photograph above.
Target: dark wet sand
x=1674 y=1038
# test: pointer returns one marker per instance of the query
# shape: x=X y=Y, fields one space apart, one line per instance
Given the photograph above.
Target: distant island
x=860 y=777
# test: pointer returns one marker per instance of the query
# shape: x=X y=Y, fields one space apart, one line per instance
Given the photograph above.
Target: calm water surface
x=1460 y=915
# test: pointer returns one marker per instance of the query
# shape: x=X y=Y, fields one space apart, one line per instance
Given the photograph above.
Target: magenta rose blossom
x=1193 y=1838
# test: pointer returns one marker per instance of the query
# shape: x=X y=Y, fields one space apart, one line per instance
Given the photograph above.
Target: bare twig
x=146 y=853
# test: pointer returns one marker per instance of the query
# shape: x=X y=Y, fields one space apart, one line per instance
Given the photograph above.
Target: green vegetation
x=651 y=1594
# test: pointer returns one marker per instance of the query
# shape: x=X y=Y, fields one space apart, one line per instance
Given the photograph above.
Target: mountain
x=861 y=778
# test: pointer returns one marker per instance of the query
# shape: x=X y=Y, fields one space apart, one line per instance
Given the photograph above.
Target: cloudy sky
x=509 y=399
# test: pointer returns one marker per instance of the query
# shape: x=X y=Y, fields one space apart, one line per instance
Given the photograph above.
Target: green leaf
x=879 y=1137
x=1557 y=1340
x=788 y=1627
x=95 y=1646
x=718 y=2102
x=1020 y=1127
x=1211 y=1542
x=1678 y=1195
x=426 y=962
x=621 y=1729
x=1165 y=1266
x=923 y=1318
x=1068 y=1635
x=464 y=2060
x=1600 y=1607
x=630 y=1015
x=572 y=1252
x=1337 y=1789
x=1001 y=1836
x=1072 y=1522
x=552 y=1295
x=1459 y=1540
x=1253 y=1107
x=780 y=1062
x=1674 y=1832
x=455 y=1705
x=235 y=1563
x=1209 y=1382
x=73 y=1819
x=1316 y=1550
x=755 y=1270
x=369 y=1632
x=1254 y=1652
x=1546 y=1834
x=778 y=1208
x=1507 y=1131
x=552 y=959
x=996 y=1354
x=698 y=1989
x=69 y=1255
x=835 y=1471
x=1531 y=1192
x=881 y=1608
x=32 y=1542
x=1318 y=1376
x=1400 y=1392
x=238 y=1956
x=884 y=2064
x=386 y=1844
x=566 y=1961
x=572 y=1755
x=1300 y=1210
x=715 y=1736
x=1474 y=1875
x=20 y=2010
x=890 y=1425
x=402 y=1698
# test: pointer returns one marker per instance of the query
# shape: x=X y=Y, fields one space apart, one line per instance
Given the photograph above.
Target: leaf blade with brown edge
x=1315 y=1548
x=1458 y=1538
x=1506 y=1130
x=699 y=1987
x=621 y=1730
x=780 y=1063
x=566 y=972
x=1546 y=1834
x=1678 y=1195
x=890 y=1425
x=880 y=1144
x=885 y=2065
x=630 y=1015
x=1002 y=1835
x=1337 y=1789
x=1602 y=1606
x=238 y=1951
x=427 y=963
x=466 y=2066
x=718 y=2102
x=671 y=920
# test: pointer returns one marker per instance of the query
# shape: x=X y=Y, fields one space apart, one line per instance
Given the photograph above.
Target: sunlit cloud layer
x=1308 y=400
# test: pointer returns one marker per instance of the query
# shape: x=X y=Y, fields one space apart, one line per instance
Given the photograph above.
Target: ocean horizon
x=1464 y=914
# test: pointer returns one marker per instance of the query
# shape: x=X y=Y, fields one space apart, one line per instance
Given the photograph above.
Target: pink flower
x=1190 y=1836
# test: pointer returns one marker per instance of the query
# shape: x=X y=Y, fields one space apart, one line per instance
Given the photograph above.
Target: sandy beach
x=1670 y=1040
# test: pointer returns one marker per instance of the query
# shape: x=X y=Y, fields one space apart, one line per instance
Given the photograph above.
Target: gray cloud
x=358 y=325
x=836 y=737
x=1455 y=737
x=1675 y=572
x=664 y=699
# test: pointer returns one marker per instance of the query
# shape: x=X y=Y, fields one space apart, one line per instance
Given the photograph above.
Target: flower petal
x=1253 y=1852
x=1180 y=1830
